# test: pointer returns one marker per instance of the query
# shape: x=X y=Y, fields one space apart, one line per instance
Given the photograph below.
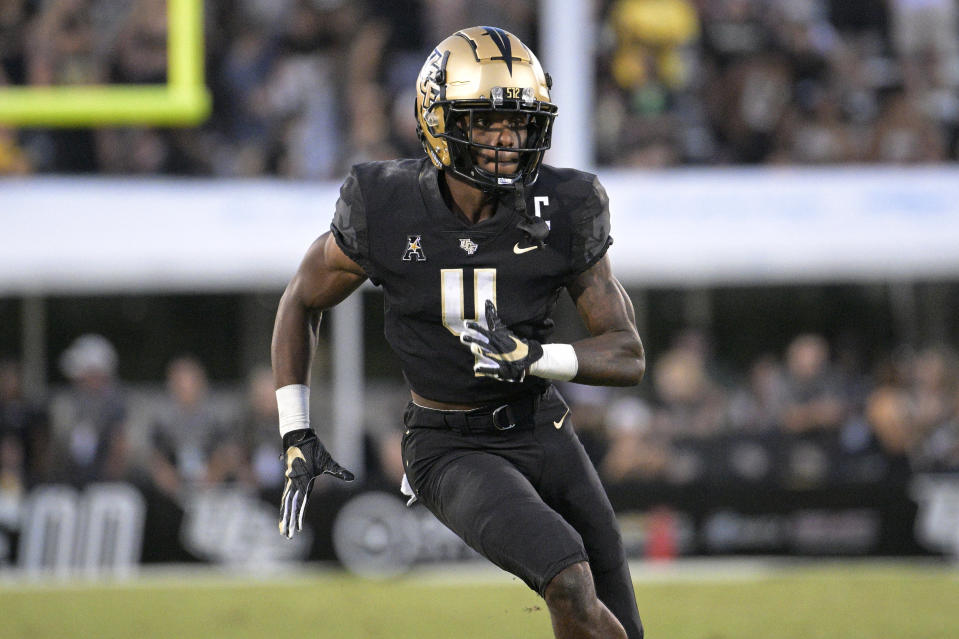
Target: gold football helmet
x=477 y=70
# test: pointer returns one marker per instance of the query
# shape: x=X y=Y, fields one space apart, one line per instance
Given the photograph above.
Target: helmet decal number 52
x=453 y=295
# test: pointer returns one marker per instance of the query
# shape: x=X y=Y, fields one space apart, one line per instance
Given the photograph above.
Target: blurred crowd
x=97 y=428
x=809 y=417
x=301 y=88
x=812 y=416
x=305 y=88
x=778 y=82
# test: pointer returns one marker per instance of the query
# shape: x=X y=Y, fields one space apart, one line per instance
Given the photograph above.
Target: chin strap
x=534 y=227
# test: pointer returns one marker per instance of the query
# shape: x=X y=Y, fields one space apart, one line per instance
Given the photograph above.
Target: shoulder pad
x=349 y=224
x=590 y=226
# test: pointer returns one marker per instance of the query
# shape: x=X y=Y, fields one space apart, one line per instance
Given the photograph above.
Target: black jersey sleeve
x=349 y=224
x=590 y=229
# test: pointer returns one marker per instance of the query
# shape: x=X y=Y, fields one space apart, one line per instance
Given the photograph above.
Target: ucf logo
x=468 y=245
x=414 y=249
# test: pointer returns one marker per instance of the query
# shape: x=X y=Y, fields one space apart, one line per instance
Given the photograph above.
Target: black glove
x=306 y=458
x=500 y=354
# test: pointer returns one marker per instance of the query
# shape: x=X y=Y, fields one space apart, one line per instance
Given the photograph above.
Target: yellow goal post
x=183 y=101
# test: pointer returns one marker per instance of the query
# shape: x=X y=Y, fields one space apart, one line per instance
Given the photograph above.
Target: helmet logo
x=430 y=89
x=501 y=40
x=502 y=45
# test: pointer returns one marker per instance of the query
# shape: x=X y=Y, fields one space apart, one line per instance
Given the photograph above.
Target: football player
x=472 y=245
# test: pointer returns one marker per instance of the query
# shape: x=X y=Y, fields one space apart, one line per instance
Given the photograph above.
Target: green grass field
x=848 y=600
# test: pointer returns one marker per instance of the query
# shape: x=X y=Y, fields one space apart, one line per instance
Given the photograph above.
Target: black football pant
x=527 y=498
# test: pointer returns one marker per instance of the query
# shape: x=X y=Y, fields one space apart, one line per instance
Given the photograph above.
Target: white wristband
x=293 y=403
x=558 y=362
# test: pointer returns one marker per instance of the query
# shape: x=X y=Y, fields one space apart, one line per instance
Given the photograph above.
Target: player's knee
x=608 y=556
x=571 y=592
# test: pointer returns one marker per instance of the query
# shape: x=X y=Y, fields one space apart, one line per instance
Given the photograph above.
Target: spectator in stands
x=90 y=418
x=588 y=405
x=635 y=453
x=934 y=419
x=62 y=46
x=308 y=84
x=650 y=37
x=141 y=44
x=14 y=17
x=927 y=29
x=22 y=428
x=815 y=409
x=903 y=135
x=747 y=104
x=814 y=395
x=874 y=440
x=13 y=159
x=889 y=412
x=258 y=425
x=241 y=111
x=757 y=406
x=25 y=424
x=444 y=17
x=13 y=480
x=689 y=401
x=650 y=64
x=816 y=134
x=189 y=441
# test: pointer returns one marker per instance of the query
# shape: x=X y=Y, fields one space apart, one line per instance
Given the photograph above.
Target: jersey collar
x=429 y=177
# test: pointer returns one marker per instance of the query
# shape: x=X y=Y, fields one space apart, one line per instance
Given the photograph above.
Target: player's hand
x=500 y=353
x=306 y=458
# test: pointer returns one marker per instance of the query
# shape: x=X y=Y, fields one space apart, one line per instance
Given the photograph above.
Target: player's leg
x=572 y=487
x=494 y=508
x=614 y=587
x=487 y=502
x=575 y=609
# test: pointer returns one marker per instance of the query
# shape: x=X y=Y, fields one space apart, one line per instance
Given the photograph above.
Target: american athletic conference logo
x=414 y=248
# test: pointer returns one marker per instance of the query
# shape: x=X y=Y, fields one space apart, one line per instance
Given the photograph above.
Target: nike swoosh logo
x=526 y=249
x=562 y=419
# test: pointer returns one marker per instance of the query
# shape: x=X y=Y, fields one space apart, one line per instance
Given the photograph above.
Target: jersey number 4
x=453 y=295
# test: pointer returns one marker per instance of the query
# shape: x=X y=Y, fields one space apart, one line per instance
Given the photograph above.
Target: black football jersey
x=437 y=270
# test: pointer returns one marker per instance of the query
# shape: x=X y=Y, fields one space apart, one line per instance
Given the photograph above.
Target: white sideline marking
x=458 y=573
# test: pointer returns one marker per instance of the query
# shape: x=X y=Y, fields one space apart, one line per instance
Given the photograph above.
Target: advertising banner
x=108 y=529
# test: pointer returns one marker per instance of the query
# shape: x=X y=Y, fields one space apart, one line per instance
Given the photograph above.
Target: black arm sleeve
x=349 y=224
x=591 y=237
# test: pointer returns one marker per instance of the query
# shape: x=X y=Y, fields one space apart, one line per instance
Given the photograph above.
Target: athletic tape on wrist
x=293 y=404
x=558 y=362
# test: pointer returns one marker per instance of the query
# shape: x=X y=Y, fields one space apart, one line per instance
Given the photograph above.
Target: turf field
x=848 y=600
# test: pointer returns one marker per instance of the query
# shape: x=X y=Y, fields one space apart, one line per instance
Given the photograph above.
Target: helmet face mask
x=473 y=73
x=465 y=147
